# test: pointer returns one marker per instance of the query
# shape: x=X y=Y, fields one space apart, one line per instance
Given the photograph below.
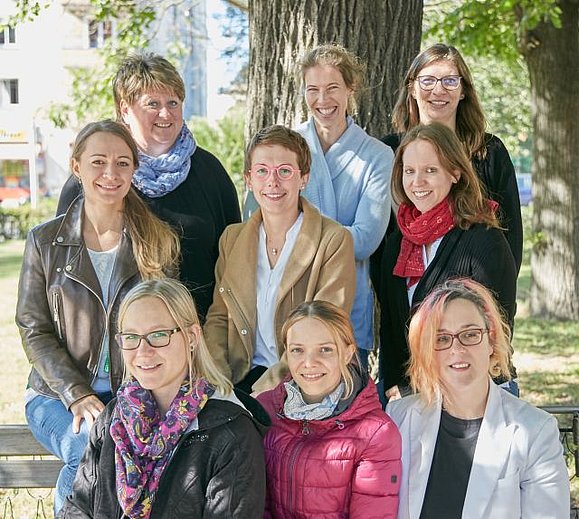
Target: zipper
x=294 y=456
x=56 y=315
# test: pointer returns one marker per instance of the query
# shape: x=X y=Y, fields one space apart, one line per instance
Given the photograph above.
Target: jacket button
x=243 y=331
x=60 y=239
x=58 y=269
x=68 y=268
x=221 y=290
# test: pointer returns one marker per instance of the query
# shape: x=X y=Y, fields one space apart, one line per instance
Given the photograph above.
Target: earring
x=461 y=96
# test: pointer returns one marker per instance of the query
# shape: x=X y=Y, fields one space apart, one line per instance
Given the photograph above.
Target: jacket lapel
x=491 y=454
x=424 y=425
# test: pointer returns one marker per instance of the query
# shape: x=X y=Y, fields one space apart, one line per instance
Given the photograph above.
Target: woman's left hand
x=87 y=408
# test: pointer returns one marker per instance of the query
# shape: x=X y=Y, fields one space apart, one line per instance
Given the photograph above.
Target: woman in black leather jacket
x=76 y=269
x=176 y=442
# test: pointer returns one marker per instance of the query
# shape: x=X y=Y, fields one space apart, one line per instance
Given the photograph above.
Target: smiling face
x=274 y=195
x=313 y=358
x=463 y=367
x=326 y=95
x=426 y=182
x=105 y=168
x=438 y=105
x=161 y=370
x=155 y=120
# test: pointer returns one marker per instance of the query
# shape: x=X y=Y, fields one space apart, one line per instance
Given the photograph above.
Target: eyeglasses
x=155 y=339
x=263 y=172
x=470 y=337
x=429 y=82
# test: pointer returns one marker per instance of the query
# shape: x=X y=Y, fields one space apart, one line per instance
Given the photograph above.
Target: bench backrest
x=24 y=463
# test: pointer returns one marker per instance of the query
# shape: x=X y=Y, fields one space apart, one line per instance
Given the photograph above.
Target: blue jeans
x=363 y=356
x=51 y=424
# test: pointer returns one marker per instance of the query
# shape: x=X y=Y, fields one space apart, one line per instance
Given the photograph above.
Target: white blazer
x=518 y=469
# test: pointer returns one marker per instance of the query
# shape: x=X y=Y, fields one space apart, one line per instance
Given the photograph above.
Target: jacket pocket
x=57 y=314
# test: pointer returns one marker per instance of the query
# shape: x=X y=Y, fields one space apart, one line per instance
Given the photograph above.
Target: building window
x=8 y=92
x=7 y=35
x=99 y=32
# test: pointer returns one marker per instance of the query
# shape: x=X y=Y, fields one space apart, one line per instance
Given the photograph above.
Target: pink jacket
x=346 y=466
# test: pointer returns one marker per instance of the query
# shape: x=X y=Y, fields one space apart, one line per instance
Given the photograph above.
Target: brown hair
x=281 y=136
x=350 y=66
x=337 y=321
x=156 y=247
x=141 y=73
x=470 y=119
x=467 y=198
x=425 y=323
x=180 y=304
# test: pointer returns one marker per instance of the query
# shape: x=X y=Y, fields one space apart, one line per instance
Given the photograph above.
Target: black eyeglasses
x=429 y=82
x=470 y=337
x=155 y=339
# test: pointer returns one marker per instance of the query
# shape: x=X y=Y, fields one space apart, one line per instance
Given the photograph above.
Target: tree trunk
x=555 y=255
x=384 y=33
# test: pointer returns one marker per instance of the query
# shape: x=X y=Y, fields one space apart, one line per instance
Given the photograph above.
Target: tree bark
x=384 y=33
x=551 y=56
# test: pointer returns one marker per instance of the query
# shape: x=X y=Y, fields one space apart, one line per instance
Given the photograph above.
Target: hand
x=87 y=408
x=393 y=393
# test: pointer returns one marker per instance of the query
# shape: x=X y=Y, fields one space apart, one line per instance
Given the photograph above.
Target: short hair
x=470 y=119
x=281 y=136
x=338 y=323
x=350 y=66
x=145 y=72
x=467 y=197
x=181 y=306
x=424 y=325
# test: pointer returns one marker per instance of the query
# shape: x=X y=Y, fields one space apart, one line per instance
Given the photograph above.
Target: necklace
x=274 y=251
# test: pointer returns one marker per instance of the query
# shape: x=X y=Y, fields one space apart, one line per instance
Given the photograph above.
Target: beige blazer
x=321 y=266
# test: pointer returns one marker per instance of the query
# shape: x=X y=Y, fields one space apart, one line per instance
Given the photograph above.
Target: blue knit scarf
x=160 y=175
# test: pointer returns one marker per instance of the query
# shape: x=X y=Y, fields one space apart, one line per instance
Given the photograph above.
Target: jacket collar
x=492 y=449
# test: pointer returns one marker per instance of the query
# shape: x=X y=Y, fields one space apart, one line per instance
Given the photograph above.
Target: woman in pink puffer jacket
x=331 y=451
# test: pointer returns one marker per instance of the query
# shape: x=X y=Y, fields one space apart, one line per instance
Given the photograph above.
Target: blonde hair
x=422 y=333
x=338 y=323
x=144 y=73
x=349 y=65
x=156 y=247
x=467 y=197
x=181 y=306
x=470 y=119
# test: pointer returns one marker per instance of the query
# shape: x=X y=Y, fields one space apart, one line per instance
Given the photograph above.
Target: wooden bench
x=24 y=463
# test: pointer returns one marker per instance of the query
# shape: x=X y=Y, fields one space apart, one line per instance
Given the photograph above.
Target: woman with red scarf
x=446 y=228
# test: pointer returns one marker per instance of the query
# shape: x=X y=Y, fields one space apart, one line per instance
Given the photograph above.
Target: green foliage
x=225 y=141
x=17 y=221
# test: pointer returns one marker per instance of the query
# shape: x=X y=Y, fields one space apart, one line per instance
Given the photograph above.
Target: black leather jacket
x=60 y=310
x=216 y=472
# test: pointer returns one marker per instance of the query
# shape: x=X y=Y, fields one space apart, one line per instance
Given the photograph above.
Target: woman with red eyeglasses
x=285 y=254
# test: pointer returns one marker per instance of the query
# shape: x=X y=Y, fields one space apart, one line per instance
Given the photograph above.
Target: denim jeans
x=51 y=424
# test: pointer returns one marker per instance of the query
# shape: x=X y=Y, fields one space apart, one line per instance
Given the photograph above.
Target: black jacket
x=199 y=210
x=60 y=310
x=216 y=472
x=478 y=253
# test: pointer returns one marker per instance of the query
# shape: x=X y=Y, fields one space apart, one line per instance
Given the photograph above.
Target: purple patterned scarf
x=144 y=441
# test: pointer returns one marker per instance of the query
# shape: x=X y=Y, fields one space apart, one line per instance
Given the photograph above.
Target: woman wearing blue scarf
x=350 y=173
x=182 y=183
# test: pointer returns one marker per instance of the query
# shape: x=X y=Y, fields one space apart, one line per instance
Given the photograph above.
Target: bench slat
x=29 y=473
x=17 y=440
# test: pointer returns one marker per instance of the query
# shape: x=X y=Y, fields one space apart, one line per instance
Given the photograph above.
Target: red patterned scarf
x=419 y=229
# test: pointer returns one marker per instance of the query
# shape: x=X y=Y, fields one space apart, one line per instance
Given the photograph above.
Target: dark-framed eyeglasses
x=429 y=82
x=263 y=171
x=155 y=339
x=470 y=337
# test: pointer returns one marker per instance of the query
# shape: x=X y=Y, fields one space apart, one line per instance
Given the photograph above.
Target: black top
x=478 y=253
x=199 y=209
x=497 y=173
x=450 y=469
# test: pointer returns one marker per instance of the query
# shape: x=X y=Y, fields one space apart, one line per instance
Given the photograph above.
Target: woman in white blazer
x=470 y=449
